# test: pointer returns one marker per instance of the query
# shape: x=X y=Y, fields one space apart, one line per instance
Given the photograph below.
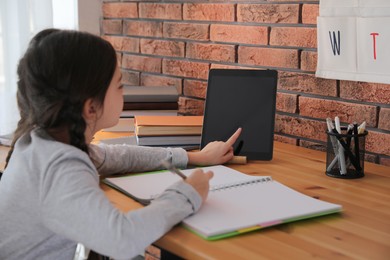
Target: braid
x=77 y=128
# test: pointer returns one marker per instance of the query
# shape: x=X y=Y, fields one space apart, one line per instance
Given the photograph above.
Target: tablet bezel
x=257 y=155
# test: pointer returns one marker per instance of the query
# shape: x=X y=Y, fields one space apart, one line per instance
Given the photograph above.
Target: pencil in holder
x=345 y=154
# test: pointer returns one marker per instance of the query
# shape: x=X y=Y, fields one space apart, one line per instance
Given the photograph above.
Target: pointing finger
x=234 y=137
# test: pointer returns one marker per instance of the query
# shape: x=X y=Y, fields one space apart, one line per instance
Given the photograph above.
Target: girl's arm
x=110 y=159
x=73 y=205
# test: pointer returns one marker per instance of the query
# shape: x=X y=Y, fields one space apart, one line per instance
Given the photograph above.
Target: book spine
x=150 y=106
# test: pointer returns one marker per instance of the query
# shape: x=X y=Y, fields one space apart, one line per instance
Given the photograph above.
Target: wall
x=177 y=42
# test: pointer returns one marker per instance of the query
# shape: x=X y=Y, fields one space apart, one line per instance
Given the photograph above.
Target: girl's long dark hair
x=60 y=70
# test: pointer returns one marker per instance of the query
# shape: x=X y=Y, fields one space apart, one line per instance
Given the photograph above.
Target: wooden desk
x=362 y=231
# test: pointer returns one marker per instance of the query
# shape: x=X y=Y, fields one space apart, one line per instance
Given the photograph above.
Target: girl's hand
x=216 y=152
x=199 y=180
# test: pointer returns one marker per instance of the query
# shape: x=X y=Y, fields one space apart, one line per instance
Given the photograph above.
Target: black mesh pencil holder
x=345 y=155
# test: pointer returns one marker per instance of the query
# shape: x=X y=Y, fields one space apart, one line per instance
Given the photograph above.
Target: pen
x=362 y=127
x=337 y=124
x=349 y=133
x=169 y=166
x=349 y=138
x=334 y=144
x=332 y=164
x=349 y=153
x=329 y=124
x=357 y=149
x=343 y=167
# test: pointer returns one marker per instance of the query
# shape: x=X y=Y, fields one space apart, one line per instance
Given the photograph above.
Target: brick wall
x=177 y=42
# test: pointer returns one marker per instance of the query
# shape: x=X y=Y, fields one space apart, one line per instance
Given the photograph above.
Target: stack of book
x=146 y=100
x=150 y=98
x=169 y=131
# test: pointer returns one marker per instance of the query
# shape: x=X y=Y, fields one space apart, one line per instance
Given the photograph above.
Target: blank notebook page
x=259 y=204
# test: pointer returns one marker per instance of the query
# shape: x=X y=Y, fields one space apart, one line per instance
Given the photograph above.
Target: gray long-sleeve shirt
x=50 y=200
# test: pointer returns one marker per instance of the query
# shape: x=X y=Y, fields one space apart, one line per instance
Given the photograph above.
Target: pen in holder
x=345 y=154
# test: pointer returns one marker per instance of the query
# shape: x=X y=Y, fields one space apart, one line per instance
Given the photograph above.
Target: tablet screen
x=241 y=98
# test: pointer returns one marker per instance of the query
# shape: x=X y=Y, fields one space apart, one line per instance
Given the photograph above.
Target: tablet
x=246 y=99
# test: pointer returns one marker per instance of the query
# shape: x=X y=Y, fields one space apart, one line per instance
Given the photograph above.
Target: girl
x=69 y=88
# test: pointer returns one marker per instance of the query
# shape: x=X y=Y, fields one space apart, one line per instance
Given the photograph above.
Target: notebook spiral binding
x=239 y=184
x=230 y=185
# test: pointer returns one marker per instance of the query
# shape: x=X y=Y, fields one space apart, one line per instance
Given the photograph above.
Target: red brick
x=384 y=161
x=188 y=69
x=307 y=83
x=301 y=127
x=310 y=13
x=230 y=67
x=285 y=139
x=143 y=28
x=115 y=41
x=308 y=60
x=362 y=91
x=214 y=52
x=120 y=10
x=268 y=57
x=119 y=58
x=286 y=102
x=373 y=158
x=190 y=106
x=208 y=12
x=112 y=26
x=268 y=13
x=123 y=43
x=294 y=36
x=188 y=31
x=157 y=80
x=141 y=63
x=130 y=78
x=160 y=11
x=312 y=145
x=163 y=48
x=384 y=119
x=347 y=112
x=130 y=44
x=377 y=142
x=195 y=88
x=239 y=34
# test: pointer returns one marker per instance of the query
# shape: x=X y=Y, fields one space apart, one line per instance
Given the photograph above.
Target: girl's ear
x=90 y=110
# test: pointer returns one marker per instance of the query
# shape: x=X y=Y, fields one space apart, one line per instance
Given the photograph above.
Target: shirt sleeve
x=73 y=205
x=110 y=159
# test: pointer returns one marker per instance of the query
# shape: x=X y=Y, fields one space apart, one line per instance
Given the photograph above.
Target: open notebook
x=237 y=202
